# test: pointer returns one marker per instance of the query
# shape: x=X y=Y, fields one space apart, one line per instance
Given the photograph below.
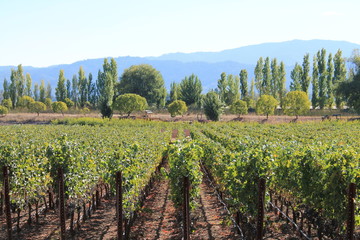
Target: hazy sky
x=48 y=32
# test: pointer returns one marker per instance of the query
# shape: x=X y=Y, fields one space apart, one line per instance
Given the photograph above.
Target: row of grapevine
x=89 y=155
x=308 y=167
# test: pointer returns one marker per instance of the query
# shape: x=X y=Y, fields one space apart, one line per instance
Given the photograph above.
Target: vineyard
x=301 y=173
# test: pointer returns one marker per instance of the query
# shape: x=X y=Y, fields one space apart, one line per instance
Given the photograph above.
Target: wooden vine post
x=186 y=211
x=261 y=200
x=351 y=212
x=119 y=205
x=62 y=203
x=7 y=201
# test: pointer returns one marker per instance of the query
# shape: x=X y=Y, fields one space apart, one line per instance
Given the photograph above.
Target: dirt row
x=157 y=219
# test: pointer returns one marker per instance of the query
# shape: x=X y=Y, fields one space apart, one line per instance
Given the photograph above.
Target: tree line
x=326 y=77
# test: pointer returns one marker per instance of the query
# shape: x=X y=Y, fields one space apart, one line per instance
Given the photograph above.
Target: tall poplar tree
x=174 y=91
x=252 y=89
x=20 y=81
x=222 y=85
x=315 y=84
x=281 y=84
x=339 y=75
x=12 y=88
x=258 y=72
x=28 y=91
x=6 y=93
x=321 y=56
x=105 y=87
x=68 y=89
x=42 y=92
x=48 y=92
x=60 y=90
x=92 y=96
x=266 y=85
x=330 y=75
x=233 y=92
x=83 y=88
x=305 y=76
x=244 y=83
x=274 y=78
x=295 y=75
x=36 y=92
x=75 y=91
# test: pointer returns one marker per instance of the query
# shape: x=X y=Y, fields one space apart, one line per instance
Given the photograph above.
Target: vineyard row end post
x=186 y=212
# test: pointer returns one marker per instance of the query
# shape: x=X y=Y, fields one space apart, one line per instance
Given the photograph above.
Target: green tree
x=274 y=78
x=83 y=88
x=145 y=81
x=222 y=85
x=69 y=103
x=105 y=88
x=3 y=110
x=48 y=91
x=28 y=91
x=296 y=103
x=92 y=97
x=25 y=102
x=350 y=90
x=48 y=103
x=212 y=106
x=190 y=89
x=177 y=107
x=305 y=77
x=6 y=93
x=60 y=91
x=266 y=104
x=12 y=89
x=75 y=90
x=68 y=89
x=129 y=102
x=37 y=107
x=42 y=92
x=174 y=91
x=296 y=74
x=59 y=107
x=339 y=76
x=315 y=84
x=239 y=107
x=244 y=83
x=281 y=84
x=36 y=92
x=7 y=103
x=259 y=75
x=17 y=84
x=233 y=92
x=330 y=75
x=321 y=56
x=266 y=84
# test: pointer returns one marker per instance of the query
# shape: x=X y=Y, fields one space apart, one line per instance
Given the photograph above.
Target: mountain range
x=206 y=65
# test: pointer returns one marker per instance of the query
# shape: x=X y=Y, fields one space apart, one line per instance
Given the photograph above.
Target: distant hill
x=207 y=65
x=289 y=52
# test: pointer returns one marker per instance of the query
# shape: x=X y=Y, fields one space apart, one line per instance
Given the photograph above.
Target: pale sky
x=47 y=32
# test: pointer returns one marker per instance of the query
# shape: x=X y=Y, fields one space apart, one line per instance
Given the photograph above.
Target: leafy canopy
x=3 y=110
x=177 y=107
x=127 y=103
x=266 y=105
x=296 y=103
x=239 y=107
x=37 y=107
x=212 y=106
x=59 y=107
x=146 y=81
x=190 y=89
